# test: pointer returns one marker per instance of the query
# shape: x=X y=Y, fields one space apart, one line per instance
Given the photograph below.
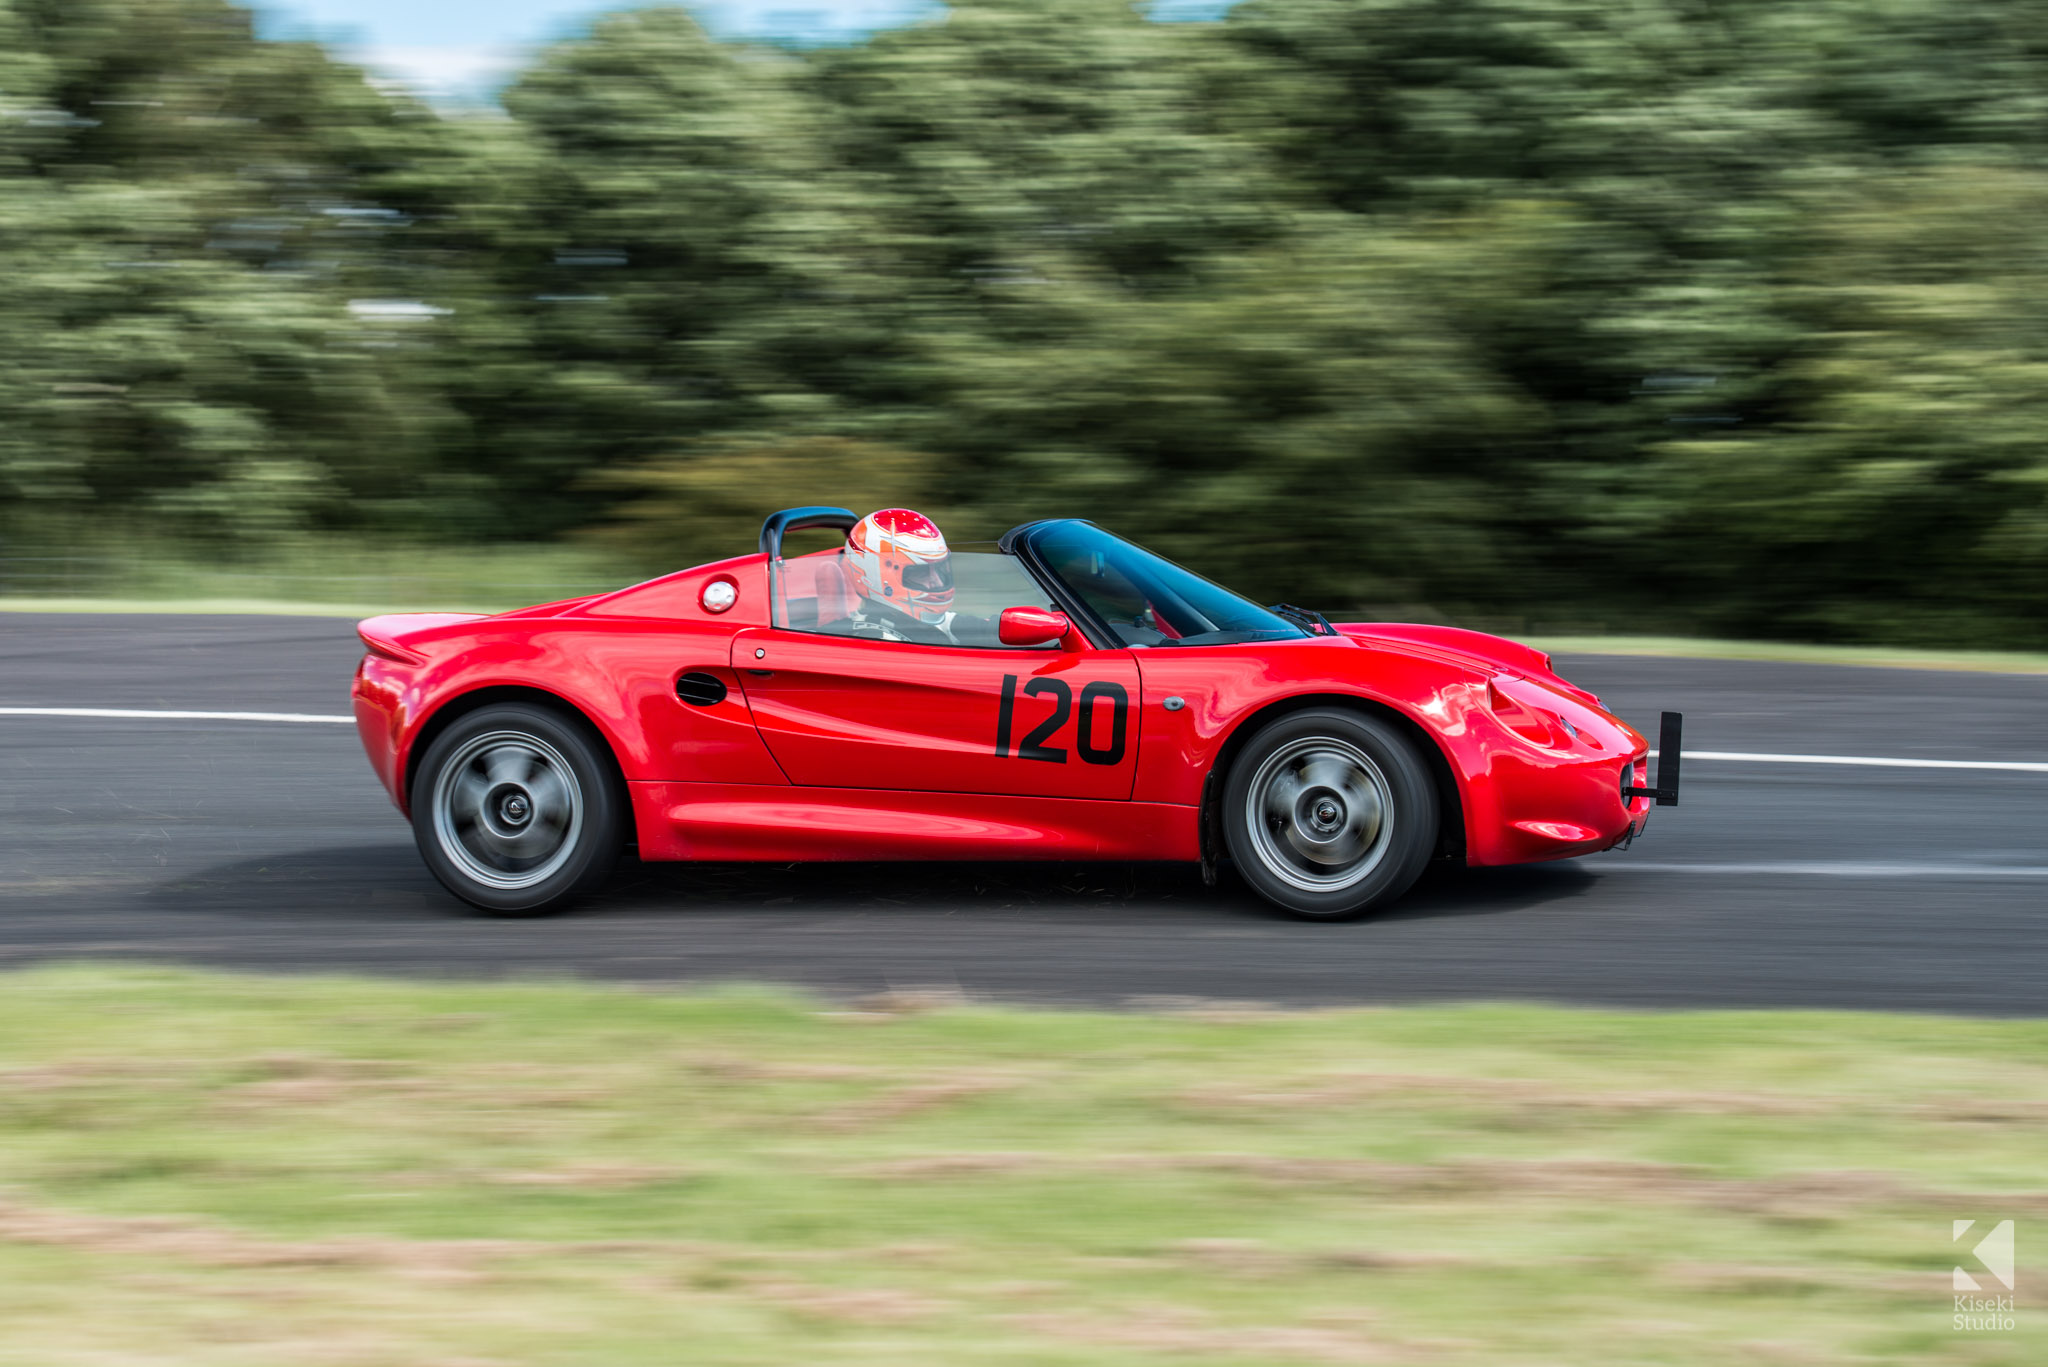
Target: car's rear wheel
x=1329 y=813
x=515 y=809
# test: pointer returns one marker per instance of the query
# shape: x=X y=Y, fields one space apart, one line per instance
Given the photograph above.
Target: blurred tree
x=1025 y=138
x=677 y=261
x=1902 y=492
x=1688 y=313
x=195 y=212
x=1647 y=194
x=706 y=504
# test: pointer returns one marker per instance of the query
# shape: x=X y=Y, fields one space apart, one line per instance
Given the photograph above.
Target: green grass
x=461 y=593
x=313 y=576
x=209 y=1169
x=328 y=576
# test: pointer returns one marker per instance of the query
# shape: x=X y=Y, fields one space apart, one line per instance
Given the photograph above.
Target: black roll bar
x=789 y=520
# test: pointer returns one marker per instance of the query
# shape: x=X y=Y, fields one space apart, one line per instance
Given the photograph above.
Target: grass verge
x=1882 y=657
x=230 y=607
x=313 y=576
x=459 y=593
x=209 y=1169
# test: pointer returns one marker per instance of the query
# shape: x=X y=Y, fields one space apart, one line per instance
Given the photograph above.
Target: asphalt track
x=267 y=845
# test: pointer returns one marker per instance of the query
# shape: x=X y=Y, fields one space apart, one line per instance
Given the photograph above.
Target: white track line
x=125 y=713
x=1727 y=756
x=1842 y=868
x=1868 y=761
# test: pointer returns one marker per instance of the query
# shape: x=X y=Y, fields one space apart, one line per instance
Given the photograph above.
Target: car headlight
x=1527 y=717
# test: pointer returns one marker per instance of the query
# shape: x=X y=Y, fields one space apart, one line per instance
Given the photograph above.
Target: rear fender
x=409 y=637
x=460 y=705
x=619 y=675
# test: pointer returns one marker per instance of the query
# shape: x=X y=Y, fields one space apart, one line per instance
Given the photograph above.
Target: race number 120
x=1087 y=724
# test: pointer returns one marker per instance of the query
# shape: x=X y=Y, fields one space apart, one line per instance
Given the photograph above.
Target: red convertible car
x=1061 y=694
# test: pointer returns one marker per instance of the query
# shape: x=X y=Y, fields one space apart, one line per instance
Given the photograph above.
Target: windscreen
x=1146 y=599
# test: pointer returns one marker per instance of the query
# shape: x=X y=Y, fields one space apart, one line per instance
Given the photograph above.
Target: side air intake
x=699 y=689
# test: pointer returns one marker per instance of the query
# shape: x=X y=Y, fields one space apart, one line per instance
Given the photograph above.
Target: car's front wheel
x=515 y=810
x=1329 y=813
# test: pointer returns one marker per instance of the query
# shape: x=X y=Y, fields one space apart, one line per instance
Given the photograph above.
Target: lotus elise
x=1090 y=700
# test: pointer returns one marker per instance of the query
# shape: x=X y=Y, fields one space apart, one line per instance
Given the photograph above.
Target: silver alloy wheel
x=1321 y=814
x=508 y=809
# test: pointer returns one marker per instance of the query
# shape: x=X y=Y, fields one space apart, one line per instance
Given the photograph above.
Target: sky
x=455 y=49
x=458 y=50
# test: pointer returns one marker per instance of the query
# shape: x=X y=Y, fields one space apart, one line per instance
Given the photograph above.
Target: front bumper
x=1561 y=809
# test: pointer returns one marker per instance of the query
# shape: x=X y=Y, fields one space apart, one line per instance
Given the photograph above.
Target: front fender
x=1521 y=800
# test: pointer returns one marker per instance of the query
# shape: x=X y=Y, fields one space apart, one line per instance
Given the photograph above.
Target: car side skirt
x=738 y=821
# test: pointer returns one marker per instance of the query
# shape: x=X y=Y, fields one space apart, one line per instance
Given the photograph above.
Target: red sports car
x=1061 y=694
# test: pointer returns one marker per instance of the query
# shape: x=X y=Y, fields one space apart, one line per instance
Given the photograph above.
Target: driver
x=903 y=573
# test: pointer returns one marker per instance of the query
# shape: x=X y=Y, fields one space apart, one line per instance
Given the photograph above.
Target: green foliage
x=1721 y=317
x=706 y=504
x=188 y=213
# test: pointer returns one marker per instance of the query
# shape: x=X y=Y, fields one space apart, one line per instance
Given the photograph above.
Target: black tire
x=517 y=809
x=1329 y=813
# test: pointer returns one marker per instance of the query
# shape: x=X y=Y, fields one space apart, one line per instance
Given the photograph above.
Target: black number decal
x=1034 y=746
x=1084 y=724
x=1003 y=715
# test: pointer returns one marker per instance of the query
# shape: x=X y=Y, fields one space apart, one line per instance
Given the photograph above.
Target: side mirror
x=1032 y=626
